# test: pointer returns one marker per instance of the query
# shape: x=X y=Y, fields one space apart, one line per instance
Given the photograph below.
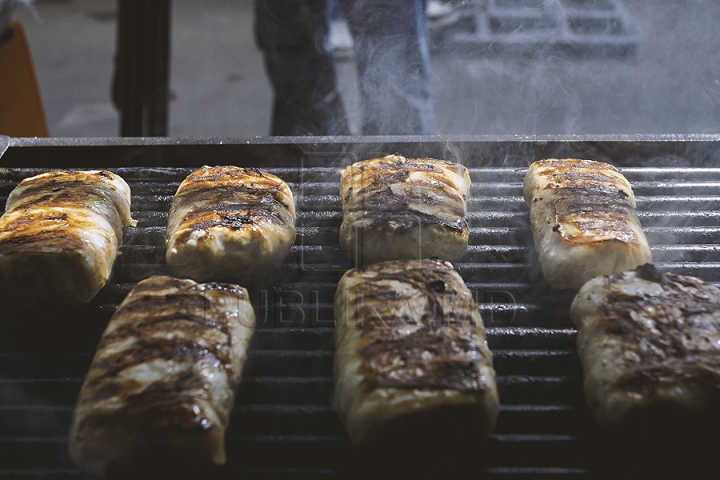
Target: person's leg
x=292 y=35
x=392 y=52
x=334 y=10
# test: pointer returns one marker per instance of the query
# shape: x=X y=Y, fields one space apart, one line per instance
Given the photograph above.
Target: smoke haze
x=671 y=84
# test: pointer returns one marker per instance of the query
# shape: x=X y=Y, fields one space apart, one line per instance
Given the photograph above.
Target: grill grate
x=282 y=425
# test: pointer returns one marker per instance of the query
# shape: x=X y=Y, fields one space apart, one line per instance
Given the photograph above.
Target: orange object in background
x=21 y=110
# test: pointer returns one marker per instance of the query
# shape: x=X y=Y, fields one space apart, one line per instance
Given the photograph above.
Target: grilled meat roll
x=410 y=355
x=163 y=381
x=649 y=344
x=59 y=237
x=229 y=222
x=583 y=221
x=398 y=208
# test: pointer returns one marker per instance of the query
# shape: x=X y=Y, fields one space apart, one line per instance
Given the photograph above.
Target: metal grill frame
x=282 y=426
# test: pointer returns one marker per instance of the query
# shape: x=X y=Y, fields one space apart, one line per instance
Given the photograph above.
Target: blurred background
x=499 y=67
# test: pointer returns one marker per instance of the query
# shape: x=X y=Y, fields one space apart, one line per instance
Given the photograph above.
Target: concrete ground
x=672 y=84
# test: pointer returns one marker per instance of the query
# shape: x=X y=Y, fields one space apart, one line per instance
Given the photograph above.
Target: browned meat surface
x=229 y=222
x=398 y=208
x=410 y=341
x=59 y=237
x=163 y=381
x=583 y=221
x=649 y=344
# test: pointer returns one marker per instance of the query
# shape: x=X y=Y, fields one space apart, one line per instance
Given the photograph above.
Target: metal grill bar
x=282 y=425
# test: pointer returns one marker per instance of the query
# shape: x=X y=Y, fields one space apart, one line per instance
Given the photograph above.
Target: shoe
x=441 y=14
x=340 y=40
x=437 y=9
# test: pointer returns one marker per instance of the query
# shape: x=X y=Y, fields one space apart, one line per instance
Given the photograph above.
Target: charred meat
x=229 y=222
x=650 y=347
x=163 y=381
x=59 y=237
x=398 y=208
x=410 y=352
x=583 y=221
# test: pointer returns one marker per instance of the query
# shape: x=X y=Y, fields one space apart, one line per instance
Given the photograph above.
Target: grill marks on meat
x=674 y=335
x=590 y=200
x=583 y=221
x=164 y=376
x=427 y=358
x=41 y=241
x=404 y=208
x=436 y=347
x=229 y=222
x=59 y=236
x=647 y=338
x=409 y=338
x=232 y=217
x=587 y=215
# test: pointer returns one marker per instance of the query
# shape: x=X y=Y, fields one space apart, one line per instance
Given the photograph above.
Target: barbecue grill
x=282 y=425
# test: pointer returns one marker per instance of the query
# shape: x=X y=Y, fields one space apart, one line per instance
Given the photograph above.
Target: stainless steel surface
x=282 y=425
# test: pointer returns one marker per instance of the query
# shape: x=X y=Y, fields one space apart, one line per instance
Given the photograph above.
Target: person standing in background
x=392 y=56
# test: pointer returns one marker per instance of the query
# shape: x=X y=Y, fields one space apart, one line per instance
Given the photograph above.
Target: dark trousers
x=392 y=59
